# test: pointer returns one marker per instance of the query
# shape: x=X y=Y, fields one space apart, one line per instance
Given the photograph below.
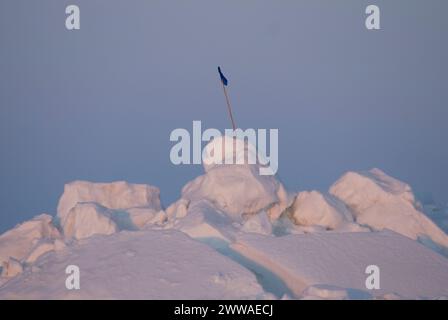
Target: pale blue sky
x=99 y=104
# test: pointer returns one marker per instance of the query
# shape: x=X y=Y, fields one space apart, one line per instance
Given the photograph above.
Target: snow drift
x=339 y=259
x=137 y=265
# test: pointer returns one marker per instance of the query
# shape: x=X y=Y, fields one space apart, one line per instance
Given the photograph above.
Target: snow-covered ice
x=238 y=190
x=137 y=265
x=11 y=268
x=140 y=217
x=87 y=219
x=18 y=242
x=382 y=202
x=118 y=195
x=43 y=246
x=87 y=208
x=204 y=222
x=232 y=234
x=316 y=209
x=340 y=259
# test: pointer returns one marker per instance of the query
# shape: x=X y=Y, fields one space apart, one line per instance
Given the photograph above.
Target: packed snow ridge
x=233 y=234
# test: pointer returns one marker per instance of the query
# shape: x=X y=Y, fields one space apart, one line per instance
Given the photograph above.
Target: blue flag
x=223 y=79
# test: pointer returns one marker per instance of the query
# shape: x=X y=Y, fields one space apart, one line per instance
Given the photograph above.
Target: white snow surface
x=407 y=268
x=382 y=202
x=137 y=265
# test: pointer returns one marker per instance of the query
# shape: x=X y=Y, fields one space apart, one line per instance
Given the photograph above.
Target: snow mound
x=87 y=219
x=18 y=242
x=315 y=209
x=137 y=265
x=382 y=202
x=227 y=150
x=228 y=198
x=237 y=189
x=231 y=150
x=407 y=268
x=116 y=195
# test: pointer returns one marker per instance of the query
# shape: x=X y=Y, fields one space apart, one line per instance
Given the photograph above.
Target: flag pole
x=224 y=83
x=228 y=106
